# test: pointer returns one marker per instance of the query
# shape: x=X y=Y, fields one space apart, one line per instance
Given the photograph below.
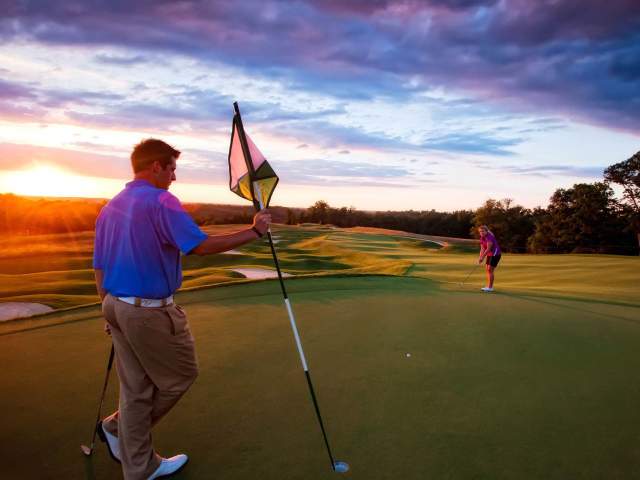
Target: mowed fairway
x=417 y=377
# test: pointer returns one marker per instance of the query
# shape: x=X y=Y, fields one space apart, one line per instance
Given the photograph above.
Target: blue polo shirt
x=139 y=236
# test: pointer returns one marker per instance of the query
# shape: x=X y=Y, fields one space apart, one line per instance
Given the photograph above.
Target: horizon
x=240 y=204
x=386 y=105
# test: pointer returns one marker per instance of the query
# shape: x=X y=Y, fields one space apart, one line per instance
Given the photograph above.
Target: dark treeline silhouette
x=212 y=214
x=582 y=219
x=586 y=218
x=627 y=175
x=456 y=224
x=35 y=216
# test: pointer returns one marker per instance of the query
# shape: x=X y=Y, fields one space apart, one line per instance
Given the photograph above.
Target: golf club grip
x=111 y=356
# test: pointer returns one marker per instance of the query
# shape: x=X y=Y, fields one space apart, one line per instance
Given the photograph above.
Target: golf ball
x=408 y=354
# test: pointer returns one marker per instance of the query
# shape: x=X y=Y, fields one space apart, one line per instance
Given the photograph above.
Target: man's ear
x=156 y=167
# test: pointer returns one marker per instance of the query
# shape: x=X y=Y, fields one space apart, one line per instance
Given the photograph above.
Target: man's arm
x=222 y=243
x=99 y=277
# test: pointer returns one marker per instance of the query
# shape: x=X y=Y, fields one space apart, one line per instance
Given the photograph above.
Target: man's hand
x=222 y=243
x=261 y=221
x=480 y=260
x=107 y=328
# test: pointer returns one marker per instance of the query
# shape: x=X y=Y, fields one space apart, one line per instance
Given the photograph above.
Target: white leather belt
x=147 y=302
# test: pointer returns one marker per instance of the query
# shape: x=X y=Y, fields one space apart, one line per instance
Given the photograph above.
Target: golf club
x=89 y=450
x=469 y=274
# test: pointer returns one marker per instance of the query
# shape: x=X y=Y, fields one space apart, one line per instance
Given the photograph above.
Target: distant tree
x=455 y=224
x=318 y=212
x=627 y=175
x=291 y=217
x=512 y=224
x=582 y=219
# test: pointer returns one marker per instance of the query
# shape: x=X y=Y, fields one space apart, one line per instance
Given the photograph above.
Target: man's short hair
x=150 y=150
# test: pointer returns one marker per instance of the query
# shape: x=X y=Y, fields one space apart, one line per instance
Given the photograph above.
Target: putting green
x=497 y=386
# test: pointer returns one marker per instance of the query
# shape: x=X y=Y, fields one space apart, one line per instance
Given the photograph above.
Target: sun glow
x=47 y=180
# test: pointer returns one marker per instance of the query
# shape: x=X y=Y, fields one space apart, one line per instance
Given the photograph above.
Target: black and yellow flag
x=250 y=175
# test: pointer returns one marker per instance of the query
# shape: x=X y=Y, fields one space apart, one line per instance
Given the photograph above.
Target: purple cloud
x=120 y=60
x=12 y=90
x=573 y=58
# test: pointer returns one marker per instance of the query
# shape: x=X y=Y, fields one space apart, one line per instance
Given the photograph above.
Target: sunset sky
x=376 y=104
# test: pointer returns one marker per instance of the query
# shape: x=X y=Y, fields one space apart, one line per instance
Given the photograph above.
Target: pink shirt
x=495 y=248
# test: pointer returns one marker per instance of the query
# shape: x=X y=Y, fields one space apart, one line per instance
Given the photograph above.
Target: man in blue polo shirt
x=140 y=235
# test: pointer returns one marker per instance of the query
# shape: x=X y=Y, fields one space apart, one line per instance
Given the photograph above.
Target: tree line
x=586 y=218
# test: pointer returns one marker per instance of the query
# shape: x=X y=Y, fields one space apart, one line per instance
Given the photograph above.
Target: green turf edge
x=45 y=320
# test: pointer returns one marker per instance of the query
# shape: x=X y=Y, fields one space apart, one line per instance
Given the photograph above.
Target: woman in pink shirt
x=489 y=249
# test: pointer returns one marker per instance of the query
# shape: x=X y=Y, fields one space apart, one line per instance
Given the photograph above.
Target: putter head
x=340 y=467
x=86 y=450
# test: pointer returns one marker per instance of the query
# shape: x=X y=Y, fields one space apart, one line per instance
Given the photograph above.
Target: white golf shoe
x=112 y=442
x=169 y=466
x=487 y=289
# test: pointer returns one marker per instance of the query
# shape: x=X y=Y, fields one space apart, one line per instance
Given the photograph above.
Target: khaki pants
x=156 y=363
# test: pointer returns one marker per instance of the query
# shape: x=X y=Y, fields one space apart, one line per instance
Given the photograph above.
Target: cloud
x=545 y=171
x=475 y=143
x=12 y=90
x=32 y=101
x=18 y=157
x=556 y=170
x=336 y=173
x=120 y=60
x=568 y=58
x=194 y=166
x=204 y=166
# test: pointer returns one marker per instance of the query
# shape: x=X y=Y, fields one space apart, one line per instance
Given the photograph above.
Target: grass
x=534 y=381
x=502 y=386
x=56 y=269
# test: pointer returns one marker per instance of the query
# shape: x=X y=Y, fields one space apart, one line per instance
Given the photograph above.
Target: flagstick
x=336 y=466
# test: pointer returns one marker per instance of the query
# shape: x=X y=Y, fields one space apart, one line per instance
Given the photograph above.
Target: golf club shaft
x=469 y=274
x=104 y=389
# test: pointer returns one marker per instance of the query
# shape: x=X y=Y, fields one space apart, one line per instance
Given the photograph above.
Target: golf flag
x=250 y=175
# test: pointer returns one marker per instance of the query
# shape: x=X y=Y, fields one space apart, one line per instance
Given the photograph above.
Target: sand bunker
x=232 y=252
x=259 y=273
x=11 y=310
